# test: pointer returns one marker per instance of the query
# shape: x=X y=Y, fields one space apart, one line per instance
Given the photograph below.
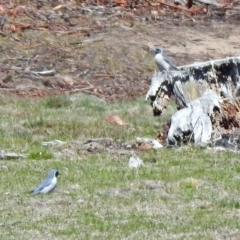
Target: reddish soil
x=106 y=50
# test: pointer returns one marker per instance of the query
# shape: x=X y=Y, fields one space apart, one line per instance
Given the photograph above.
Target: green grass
x=189 y=193
x=69 y=118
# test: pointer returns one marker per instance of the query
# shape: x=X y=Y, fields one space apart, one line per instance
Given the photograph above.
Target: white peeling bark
x=194 y=121
x=222 y=76
x=218 y=79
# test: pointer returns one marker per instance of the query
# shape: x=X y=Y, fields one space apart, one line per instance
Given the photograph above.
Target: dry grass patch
x=188 y=193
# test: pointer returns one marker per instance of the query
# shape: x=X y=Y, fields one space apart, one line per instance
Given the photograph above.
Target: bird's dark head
x=54 y=173
x=157 y=50
x=57 y=173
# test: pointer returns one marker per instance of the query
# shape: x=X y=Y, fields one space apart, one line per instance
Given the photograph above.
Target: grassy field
x=189 y=193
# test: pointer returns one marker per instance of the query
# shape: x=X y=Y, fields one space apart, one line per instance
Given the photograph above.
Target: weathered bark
x=199 y=89
x=194 y=121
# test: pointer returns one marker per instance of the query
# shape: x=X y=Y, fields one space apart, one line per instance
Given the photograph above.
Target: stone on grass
x=135 y=162
x=156 y=144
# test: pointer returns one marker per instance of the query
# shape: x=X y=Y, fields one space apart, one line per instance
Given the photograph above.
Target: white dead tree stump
x=200 y=89
x=194 y=121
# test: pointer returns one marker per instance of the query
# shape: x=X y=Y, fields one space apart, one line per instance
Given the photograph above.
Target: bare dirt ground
x=105 y=50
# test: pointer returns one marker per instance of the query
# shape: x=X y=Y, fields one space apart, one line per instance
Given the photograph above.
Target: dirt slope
x=103 y=50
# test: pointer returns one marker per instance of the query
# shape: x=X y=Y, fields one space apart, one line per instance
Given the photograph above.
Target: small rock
x=135 y=162
x=129 y=146
x=156 y=144
x=152 y=160
x=80 y=201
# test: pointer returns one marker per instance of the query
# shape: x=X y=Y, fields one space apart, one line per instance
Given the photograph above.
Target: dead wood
x=45 y=73
x=206 y=94
x=210 y=2
x=193 y=123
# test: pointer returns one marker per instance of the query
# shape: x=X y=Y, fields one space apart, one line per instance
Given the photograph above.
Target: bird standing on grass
x=48 y=184
x=162 y=60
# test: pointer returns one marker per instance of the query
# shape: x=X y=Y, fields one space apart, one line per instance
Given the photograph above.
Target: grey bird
x=162 y=60
x=48 y=184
